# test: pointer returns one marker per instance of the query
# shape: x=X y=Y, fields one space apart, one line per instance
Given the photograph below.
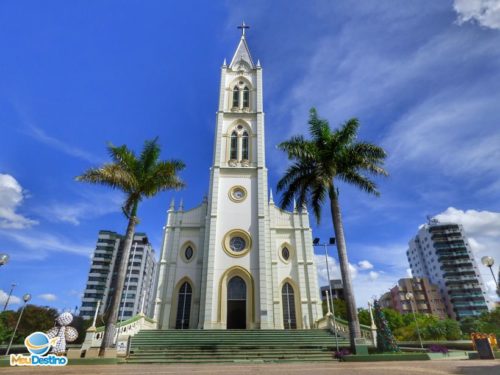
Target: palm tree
x=138 y=177
x=318 y=165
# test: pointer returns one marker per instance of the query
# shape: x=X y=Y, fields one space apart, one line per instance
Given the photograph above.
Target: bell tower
x=237 y=226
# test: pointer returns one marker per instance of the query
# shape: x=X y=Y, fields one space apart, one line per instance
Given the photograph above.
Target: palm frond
x=318 y=128
x=297 y=148
x=362 y=182
x=123 y=156
x=149 y=155
x=112 y=175
x=347 y=133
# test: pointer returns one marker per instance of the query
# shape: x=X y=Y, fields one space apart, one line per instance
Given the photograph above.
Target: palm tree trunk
x=352 y=312
x=111 y=315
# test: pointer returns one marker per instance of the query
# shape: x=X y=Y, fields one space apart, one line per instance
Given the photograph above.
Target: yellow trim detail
x=233 y=198
x=250 y=301
x=296 y=298
x=233 y=233
x=175 y=300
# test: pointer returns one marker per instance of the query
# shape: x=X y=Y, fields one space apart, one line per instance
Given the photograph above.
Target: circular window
x=285 y=253
x=236 y=243
x=188 y=253
x=237 y=194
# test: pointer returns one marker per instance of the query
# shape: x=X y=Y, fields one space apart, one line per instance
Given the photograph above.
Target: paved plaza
x=490 y=367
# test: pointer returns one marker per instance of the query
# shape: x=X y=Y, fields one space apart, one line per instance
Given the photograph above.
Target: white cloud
x=374 y=275
x=485 y=12
x=334 y=269
x=38 y=134
x=38 y=244
x=11 y=197
x=365 y=265
x=91 y=205
x=13 y=299
x=476 y=223
x=49 y=297
x=409 y=273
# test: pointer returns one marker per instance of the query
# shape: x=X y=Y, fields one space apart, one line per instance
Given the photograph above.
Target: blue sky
x=422 y=79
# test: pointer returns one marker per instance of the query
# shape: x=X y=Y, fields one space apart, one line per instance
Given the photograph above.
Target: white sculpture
x=64 y=332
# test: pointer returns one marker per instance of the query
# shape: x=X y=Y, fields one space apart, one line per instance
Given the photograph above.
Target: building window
x=237 y=194
x=236 y=97
x=288 y=300
x=183 y=306
x=285 y=253
x=188 y=253
x=237 y=243
x=234 y=146
x=244 y=146
x=246 y=97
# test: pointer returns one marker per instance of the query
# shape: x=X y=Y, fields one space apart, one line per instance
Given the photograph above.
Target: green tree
x=364 y=317
x=138 y=177
x=35 y=318
x=331 y=156
x=394 y=318
x=490 y=322
x=470 y=324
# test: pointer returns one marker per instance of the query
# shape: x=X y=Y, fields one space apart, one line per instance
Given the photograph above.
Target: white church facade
x=237 y=261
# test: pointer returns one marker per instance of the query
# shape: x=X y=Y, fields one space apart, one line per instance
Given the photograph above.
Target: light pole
x=331 y=243
x=8 y=297
x=489 y=262
x=26 y=298
x=4 y=259
x=410 y=297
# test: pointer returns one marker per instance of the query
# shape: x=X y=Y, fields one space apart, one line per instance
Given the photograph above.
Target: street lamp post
x=489 y=262
x=4 y=259
x=410 y=297
x=26 y=298
x=331 y=243
x=8 y=297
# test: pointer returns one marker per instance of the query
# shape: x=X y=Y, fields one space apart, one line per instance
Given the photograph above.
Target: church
x=237 y=261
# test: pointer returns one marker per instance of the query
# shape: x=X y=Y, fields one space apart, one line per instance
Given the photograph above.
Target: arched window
x=244 y=146
x=246 y=97
x=233 y=154
x=288 y=300
x=183 y=306
x=236 y=97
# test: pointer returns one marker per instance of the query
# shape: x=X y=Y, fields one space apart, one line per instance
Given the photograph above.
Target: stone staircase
x=218 y=346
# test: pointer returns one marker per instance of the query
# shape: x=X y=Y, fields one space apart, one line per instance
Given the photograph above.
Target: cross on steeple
x=243 y=27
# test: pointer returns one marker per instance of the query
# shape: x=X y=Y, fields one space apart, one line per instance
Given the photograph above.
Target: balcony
x=465 y=273
x=454 y=255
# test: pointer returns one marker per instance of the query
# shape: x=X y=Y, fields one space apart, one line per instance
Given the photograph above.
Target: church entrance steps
x=218 y=346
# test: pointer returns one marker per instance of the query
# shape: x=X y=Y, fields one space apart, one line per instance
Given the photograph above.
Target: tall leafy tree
x=318 y=165
x=138 y=177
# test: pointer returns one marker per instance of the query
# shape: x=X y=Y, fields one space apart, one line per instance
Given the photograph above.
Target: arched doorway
x=183 y=306
x=236 y=303
x=288 y=301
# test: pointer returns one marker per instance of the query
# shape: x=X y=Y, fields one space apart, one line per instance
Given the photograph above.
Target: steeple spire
x=242 y=54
